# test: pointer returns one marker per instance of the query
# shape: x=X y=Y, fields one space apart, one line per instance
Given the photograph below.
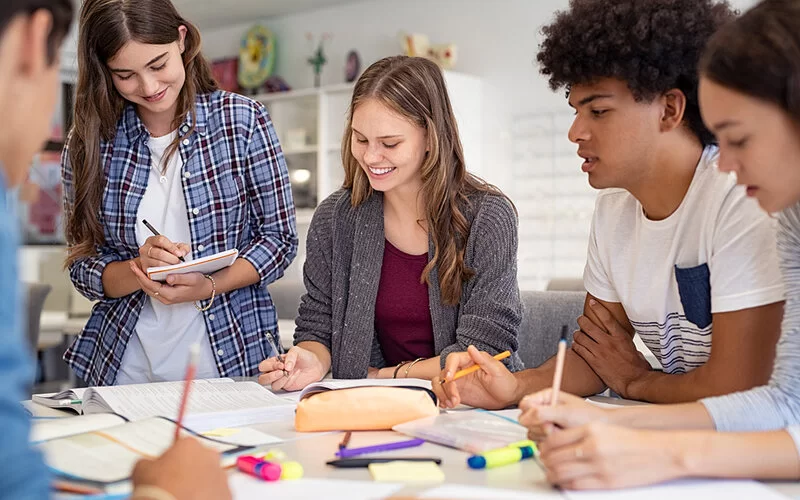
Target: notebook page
x=602 y=404
x=202 y=422
x=110 y=454
x=685 y=490
x=163 y=398
x=45 y=430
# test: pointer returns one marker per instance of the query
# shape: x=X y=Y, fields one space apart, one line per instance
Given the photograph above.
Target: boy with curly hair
x=678 y=254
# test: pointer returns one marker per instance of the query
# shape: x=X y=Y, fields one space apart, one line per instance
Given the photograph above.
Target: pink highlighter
x=261 y=469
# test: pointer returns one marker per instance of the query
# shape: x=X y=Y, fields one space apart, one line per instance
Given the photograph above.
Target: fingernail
x=592 y=302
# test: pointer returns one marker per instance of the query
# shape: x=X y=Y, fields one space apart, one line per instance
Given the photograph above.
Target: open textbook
x=205 y=265
x=213 y=403
x=98 y=452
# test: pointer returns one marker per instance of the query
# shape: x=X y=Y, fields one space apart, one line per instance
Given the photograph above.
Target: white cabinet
x=310 y=125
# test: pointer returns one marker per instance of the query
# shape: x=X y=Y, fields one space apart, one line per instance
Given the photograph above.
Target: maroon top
x=402 y=313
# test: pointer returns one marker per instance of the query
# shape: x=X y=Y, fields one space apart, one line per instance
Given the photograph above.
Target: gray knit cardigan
x=344 y=255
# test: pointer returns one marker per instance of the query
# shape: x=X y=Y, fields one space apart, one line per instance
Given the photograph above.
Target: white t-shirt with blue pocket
x=716 y=253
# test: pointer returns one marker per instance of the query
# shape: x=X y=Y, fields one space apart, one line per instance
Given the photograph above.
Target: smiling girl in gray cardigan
x=415 y=257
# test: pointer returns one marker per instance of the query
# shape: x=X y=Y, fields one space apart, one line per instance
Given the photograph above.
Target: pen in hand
x=559 y=372
x=278 y=355
x=156 y=233
x=466 y=371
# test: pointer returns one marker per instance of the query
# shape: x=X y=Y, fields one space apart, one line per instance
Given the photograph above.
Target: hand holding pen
x=477 y=379
x=277 y=354
x=291 y=371
x=158 y=250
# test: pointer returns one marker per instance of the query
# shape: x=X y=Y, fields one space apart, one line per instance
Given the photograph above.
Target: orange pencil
x=467 y=371
x=560 y=356
x=194 y=354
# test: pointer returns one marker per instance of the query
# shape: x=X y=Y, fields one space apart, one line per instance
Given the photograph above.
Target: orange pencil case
x=363 y=408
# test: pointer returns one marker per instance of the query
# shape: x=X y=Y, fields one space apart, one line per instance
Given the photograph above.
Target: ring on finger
x=156 y=294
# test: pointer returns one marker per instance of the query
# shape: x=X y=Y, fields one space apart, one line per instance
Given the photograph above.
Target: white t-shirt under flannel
x=159 y=349
x=716 y=253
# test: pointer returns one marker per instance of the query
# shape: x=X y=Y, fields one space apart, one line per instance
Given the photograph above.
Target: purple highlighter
x=352 y=452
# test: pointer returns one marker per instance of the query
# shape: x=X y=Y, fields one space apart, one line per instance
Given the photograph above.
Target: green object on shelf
x=317 y=61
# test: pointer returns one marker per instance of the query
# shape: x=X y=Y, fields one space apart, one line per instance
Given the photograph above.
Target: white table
x=312 y=450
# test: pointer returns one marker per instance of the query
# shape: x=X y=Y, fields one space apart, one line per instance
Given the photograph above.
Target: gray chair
x=286 y=294
x=35 y=295
x=566 y=285
x=544 y=313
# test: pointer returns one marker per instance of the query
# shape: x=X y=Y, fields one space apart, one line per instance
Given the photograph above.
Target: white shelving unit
x=315 y=163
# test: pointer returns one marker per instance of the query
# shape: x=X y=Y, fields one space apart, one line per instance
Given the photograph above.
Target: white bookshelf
x=315 y=163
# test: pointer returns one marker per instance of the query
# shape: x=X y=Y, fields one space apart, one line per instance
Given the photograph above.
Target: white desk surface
x=312 y=450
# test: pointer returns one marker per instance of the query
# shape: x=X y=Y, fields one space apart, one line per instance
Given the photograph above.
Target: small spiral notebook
x=204 y=265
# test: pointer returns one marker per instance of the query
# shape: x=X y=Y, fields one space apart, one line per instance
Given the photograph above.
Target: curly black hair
x=653 y=45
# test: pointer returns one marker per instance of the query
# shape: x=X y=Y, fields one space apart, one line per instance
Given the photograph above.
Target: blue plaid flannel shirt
x=238 y=195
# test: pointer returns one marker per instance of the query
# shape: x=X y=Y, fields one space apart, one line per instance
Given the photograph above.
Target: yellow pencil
x=467 y=371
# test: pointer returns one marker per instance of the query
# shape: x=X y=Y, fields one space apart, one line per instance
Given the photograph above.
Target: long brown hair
x=105 y=27
x=414 y=87
x=758 y=54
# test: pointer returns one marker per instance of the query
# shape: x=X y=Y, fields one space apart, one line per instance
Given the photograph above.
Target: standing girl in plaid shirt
x=155 y=139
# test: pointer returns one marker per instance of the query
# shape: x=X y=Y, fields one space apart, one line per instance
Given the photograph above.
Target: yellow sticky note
x=221 y=433
x=407 y=472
